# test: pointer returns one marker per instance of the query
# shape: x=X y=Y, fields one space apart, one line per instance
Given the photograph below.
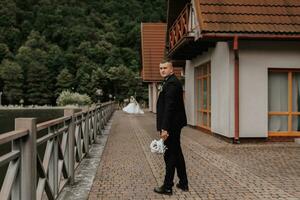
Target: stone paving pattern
x=216 y=169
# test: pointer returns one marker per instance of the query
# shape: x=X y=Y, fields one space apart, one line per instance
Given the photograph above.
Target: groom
x=171 y=118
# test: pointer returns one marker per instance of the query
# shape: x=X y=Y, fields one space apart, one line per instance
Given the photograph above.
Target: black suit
x=171 y=117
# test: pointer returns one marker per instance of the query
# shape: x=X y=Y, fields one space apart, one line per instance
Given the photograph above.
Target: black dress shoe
x=183 y=187
x=163 y=190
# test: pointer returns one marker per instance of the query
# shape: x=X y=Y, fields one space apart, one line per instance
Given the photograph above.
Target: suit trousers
x=174 y=160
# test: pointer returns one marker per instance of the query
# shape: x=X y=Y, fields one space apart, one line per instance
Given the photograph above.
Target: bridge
x=117 y=163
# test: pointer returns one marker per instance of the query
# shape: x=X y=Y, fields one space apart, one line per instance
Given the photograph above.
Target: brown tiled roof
x=153 y=44
x=249 y=16
x=153 y=37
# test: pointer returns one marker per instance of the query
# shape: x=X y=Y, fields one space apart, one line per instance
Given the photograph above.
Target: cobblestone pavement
x=216 y=169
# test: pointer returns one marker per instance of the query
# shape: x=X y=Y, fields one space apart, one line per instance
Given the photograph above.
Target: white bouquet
x=157 y=146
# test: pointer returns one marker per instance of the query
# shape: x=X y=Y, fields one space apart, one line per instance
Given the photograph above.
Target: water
x=7 y=123
x=7 y=116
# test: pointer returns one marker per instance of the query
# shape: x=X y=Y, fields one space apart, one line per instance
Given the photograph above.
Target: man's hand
x=164 y=135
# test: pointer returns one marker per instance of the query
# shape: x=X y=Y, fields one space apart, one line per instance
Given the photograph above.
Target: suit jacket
x=170 y=106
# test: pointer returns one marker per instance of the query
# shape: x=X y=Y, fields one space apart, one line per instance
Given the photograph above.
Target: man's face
x=166 y=69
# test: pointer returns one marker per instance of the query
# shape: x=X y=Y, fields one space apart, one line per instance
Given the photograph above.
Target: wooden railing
x=180 y=28
x=44 y=156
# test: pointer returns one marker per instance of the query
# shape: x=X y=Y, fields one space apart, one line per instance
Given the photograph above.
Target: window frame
x=290 y=114
x=200 y=110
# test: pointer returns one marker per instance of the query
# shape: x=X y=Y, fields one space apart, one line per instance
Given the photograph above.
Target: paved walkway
x=216 y=169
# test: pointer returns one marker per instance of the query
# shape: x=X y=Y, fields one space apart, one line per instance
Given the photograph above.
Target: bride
x=133 y=107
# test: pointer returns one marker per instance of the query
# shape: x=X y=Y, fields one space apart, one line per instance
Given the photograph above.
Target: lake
x=7 y=116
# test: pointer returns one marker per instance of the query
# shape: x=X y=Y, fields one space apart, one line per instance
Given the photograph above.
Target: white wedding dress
x=133 y=107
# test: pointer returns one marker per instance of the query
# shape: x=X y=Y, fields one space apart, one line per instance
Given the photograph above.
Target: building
x=242 y=65
x=153 y=39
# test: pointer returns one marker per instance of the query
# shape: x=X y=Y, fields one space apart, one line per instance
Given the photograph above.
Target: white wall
x=255 y=59
x=154 y=97
x=221 y=107
x=231 y=93
x=150 y=98
x=220 y=84
x=189 y=101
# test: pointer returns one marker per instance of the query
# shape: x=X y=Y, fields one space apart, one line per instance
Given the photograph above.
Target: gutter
x=221 y=36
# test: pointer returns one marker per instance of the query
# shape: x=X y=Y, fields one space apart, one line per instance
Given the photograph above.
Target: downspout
x=236 y=91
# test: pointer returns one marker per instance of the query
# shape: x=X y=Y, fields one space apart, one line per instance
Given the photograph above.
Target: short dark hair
x=165 y=62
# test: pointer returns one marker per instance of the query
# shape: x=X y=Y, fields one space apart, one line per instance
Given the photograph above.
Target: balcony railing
x=181 y=27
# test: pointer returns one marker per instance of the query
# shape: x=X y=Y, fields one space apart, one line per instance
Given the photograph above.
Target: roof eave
x=258 y=36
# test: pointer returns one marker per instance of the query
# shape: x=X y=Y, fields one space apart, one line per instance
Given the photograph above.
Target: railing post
x=87 y=122
x=95 y=122
x=91 y=126
x=86 y=131
x=106 y=118
x=110 y=108
x=71 y=144
x=100 y=119
x=28 y=174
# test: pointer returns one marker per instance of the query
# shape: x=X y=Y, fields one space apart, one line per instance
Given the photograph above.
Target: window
x=203 y=96
x=284 y=102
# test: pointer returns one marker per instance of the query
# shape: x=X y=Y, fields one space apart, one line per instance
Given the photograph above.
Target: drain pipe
x=236 y=91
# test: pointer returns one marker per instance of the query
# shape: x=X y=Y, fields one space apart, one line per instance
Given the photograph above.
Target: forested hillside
x=47 y=46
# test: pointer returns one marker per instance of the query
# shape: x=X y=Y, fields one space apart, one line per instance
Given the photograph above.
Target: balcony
x=180 y=28
x=182 y=44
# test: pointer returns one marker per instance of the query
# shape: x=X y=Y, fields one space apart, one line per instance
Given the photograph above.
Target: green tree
x=32 y=56
x=34 y=49
x=55 y=62
x=115 y=58
x=5 y=52
x=121 y=79
x=99 y=80
x=12 y=76
x=7 y=13
x=96 y=53
x=65 y=81
x=83 y=80
x=10 y=33
x=36 y=41
x=38 y=92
